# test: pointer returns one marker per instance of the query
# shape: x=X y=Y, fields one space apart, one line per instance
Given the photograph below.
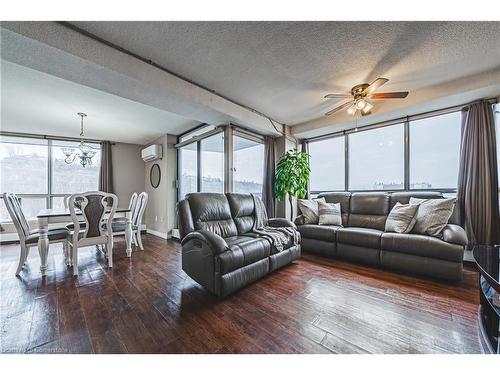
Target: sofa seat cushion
x=422 y=245
x=318 y=232
x=365 y=237
x=242 y=251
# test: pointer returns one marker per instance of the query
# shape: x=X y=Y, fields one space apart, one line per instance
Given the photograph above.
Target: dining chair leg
x=110 y=252
x=74 y=256
x=67 y=260
x=22 y=259
x=139 y=239
x=134 y=239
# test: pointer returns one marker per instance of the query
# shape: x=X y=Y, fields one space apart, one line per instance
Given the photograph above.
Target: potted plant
x=292 y=175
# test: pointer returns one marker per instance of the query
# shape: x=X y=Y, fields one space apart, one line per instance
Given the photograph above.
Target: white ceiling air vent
x=152 y=152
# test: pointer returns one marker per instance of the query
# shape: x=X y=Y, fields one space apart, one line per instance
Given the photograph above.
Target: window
x=188 y=169
x=248 y=163
x=70 y=178
x=212 y=163
x=25 y=167
x=327 y=162
x=435 y=151
x=376 y=159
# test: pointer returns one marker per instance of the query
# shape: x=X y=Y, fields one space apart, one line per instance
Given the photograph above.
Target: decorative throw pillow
x=402 y=218
x=432 y=215
x=309 y=209
x=329 y=214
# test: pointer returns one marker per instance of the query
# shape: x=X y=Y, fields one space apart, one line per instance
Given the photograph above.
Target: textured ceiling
x=35 y=102
x=283 y=69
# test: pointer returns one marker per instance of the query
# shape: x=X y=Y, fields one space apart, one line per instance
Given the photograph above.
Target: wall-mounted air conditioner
x=152 y=152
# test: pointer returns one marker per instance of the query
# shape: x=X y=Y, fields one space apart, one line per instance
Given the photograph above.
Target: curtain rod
x=398 y=120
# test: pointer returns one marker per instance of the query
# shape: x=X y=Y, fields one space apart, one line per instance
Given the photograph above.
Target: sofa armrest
x=216 y=243
x=280 y=222
x=453 y=233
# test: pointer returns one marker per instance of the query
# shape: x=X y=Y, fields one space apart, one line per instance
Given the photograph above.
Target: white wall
x=160 y=213
x=128 y=171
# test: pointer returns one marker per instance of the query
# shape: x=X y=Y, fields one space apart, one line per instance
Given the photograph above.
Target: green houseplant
x=292 y=175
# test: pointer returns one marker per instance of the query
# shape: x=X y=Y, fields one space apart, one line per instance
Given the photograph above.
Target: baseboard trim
x=165 y=236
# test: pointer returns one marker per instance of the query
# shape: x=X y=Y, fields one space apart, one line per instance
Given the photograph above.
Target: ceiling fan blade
x=389 y=95
x=339 y=108
x=340 y=96
x=375 y=85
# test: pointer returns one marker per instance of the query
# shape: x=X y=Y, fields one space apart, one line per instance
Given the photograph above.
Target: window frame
x=249 y=137
x=49 y=196
x=229 y=132
x=406 y=139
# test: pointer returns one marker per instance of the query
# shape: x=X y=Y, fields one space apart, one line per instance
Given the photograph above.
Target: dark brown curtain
x=106 y=169
x=478 y=177
x=304 y=147
x=269 y=175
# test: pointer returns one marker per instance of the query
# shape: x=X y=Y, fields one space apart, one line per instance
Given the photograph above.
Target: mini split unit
x=152 y=152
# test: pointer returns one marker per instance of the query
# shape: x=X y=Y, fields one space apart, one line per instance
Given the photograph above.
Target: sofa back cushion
x=211 y=211
x=369 y=210
x=341 y=197
x=242 y=211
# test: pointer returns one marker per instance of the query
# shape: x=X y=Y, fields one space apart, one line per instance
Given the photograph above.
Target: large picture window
x=376 y=159
x=327 y=161
x=26 y=165
x=435 y=151
x=248 y=164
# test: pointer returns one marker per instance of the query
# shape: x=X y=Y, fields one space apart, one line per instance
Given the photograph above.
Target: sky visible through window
x=376 y=157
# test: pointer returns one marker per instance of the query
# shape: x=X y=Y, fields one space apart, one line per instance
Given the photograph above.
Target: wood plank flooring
x=147 y=304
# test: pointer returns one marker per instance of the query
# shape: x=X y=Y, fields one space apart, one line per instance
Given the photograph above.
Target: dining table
x=61 y=215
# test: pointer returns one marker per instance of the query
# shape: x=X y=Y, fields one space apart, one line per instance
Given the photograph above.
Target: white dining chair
x=131 y=206
x=97 y=231
x=136 y=214
x=29 y=238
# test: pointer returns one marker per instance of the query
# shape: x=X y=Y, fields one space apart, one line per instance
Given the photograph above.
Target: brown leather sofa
x=362 y=237
x=219 y=249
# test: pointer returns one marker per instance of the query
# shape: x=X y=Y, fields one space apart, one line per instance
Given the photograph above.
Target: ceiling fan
x=359 y=95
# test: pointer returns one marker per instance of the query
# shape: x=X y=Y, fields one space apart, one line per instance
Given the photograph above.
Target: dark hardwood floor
x=147 y=304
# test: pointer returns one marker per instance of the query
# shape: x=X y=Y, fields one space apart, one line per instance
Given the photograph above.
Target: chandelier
x=84 y=152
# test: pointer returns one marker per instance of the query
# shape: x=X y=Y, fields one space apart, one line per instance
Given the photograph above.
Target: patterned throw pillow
x=309 y=209
x=432 y=215
x=402 y=218
x=329 y=214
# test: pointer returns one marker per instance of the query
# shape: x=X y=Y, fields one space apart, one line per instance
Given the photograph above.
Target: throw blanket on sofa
x=279 y=236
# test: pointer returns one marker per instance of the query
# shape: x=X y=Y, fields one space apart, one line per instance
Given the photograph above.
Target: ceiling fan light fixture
x=352 y=109
x=367 y=108
x=360 y=103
